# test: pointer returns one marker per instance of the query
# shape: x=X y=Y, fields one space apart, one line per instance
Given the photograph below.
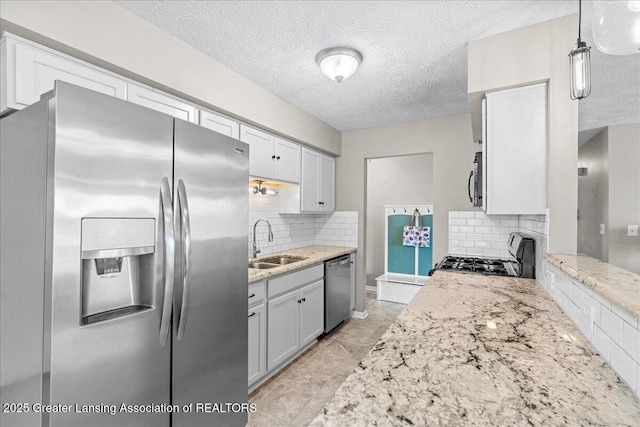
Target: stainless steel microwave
x=474 y=185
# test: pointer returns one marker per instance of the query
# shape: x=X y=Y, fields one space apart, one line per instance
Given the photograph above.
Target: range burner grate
x=489 y=266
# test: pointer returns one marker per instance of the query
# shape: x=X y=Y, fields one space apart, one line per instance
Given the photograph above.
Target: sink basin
x=262 y=265
x=282 y=260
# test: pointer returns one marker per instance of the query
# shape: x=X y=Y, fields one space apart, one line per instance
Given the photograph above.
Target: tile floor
x=294 y=396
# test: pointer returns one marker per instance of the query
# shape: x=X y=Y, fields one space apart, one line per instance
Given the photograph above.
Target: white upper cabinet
x=162 y=102
x=28 y=72
x=515 y=149
x=260 y=151
x=271 y=157
x=317 y=187
x=220 y=124
x=287 y=161
x=327 y=183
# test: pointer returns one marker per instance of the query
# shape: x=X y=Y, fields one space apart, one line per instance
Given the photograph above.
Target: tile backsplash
x=475 y=233
x=292 y=231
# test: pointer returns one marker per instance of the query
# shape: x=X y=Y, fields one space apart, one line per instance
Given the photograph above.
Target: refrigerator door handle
x=186 y=230
x=168 y=261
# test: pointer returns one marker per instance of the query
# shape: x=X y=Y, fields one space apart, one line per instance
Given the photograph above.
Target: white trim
x=359 y=314
x=371 y=288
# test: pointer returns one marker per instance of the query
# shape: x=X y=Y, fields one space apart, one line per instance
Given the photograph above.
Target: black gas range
x=521 y=247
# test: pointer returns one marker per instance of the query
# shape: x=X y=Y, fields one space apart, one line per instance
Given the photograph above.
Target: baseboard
x=359 y=314
x=371 y=288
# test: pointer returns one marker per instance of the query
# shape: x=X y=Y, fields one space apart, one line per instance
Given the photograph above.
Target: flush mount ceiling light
x=580 y=61
x=616 y=27
x=338 y=63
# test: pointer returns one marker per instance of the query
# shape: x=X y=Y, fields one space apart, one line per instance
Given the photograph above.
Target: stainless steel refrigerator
x=123 y=267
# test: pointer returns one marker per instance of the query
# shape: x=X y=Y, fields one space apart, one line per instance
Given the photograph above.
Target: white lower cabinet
x=283 y=328
x=257 y=332
x=295 y=320
x=311 y=312
x=257 y=342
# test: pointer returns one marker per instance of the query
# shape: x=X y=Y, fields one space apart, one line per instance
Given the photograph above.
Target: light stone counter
x=479 y=350
x=312 y=254
x=618 y=286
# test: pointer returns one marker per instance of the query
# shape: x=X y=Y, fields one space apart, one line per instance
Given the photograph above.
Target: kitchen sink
x=282 y=260
x=262 y=265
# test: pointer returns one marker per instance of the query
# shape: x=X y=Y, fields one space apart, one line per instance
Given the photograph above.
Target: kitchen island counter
x=481 y=350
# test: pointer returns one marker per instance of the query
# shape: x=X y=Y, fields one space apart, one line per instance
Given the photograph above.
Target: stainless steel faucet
x=256 y=248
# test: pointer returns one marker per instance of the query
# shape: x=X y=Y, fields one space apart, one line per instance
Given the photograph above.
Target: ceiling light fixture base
x=338 y=63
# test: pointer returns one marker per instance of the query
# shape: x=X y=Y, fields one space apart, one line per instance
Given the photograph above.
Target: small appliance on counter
x=521 y=247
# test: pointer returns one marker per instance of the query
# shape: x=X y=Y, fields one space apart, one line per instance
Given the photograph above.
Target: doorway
x=392 y=181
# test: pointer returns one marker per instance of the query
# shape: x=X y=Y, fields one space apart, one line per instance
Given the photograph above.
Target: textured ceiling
x=415 y=63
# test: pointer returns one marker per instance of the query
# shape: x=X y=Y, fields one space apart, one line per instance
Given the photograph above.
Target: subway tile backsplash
x=292 y=231
x=611 y=330
x=473 y=233
x=478 y=234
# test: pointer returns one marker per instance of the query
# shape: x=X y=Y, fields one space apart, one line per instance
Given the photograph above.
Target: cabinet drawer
x=295 y=280
x=256 y=293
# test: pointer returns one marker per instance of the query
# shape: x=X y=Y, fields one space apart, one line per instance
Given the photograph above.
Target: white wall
x=107 y=35
x=593 y=197
x=450 y=142
x=402 y=180
x=610 y=194
x=530 y=55
x=624 y=195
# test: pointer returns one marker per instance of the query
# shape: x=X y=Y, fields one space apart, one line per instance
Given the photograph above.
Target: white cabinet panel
x=309 y=184
x=161 y=102
x=317 y=186
x=327 y=183
x=30 y=72
x=283 y=328
x=220 y=124
x=261 y=156
x=516 y=151
x=271 y=157
x=287 y=161
x=257 y=343
x=311 y=312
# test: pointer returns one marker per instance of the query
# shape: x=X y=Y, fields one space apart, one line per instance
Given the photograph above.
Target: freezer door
x=105 y=293
x=210 y=312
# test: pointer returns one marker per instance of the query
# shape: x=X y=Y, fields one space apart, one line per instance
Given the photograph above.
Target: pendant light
x=616 y=27
x=580 y=61
x=338 y=63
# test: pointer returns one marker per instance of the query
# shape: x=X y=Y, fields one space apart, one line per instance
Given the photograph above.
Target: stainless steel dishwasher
x=337 y=292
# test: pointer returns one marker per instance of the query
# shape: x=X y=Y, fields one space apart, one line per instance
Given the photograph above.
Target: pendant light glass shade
x=616 y=27
x=580 y=63
x=580 y=70
x=338 y=63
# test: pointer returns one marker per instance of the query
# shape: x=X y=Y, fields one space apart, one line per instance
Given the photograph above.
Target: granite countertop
x=312 y=254
x=617 y=285
x=480 y=350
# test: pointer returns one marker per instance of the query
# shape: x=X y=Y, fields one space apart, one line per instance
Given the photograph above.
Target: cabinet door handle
x=253 y=313
x=252 y=295
x=304 y=299
x=278 y=158
x=299 y=301
x=273 y=157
